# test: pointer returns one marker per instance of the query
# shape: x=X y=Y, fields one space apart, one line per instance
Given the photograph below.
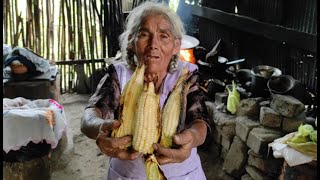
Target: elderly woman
x=152 y=36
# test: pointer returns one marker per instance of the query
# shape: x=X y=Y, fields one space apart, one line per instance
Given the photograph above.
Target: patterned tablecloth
x=27 y=121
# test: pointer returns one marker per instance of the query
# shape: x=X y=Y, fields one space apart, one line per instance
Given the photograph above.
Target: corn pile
x=140 y=117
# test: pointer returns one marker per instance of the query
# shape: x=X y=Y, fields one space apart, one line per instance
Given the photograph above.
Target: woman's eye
x=164 y=36
x=143 y=34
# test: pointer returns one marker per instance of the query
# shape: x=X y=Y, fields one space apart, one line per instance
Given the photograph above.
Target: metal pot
x=244 y=77
x=261 y=75
x=265 y=71
x=280 y=84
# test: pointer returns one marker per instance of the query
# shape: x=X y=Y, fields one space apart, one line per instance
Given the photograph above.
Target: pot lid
x=188 y=42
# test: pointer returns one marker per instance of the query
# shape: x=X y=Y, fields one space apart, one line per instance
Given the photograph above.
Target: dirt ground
x=84 y=160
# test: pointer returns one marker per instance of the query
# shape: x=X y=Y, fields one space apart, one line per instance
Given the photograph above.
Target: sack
x=233 y=99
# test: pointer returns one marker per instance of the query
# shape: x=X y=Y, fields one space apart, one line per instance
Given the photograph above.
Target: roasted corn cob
x=146 y=125
x=152 y=170
x=128 y=103
x=171 y=111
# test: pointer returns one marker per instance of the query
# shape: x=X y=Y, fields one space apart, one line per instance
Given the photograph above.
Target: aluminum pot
x=280 y=84
x=261 y=75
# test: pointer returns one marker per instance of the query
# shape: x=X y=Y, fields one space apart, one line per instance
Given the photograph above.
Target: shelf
x=243 y=23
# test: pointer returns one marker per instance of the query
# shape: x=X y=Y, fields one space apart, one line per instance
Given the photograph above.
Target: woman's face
x=155 y=44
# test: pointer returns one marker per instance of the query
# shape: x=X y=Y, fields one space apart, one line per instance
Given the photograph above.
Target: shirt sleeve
x=196 y=108
x=107 y=95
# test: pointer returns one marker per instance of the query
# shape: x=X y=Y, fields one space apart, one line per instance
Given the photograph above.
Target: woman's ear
x=177 y=46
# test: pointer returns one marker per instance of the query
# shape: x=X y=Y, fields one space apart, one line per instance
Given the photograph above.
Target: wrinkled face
x=155 y=44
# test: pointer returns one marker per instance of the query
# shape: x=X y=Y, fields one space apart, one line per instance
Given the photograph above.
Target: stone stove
x=243 y=138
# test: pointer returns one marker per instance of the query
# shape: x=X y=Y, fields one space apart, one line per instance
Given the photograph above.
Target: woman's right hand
x=110 y=146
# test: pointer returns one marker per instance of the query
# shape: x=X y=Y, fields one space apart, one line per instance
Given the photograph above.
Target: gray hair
x=133 y=23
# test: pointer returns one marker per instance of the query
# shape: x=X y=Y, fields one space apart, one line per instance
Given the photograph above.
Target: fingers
x=110 y=146
x=119 y=153
x=109 y=125
x=125 y=155
x=184 y=137
x=104 y=140
x=162 y=150
x=118 y=142
x=168 y=155
x=164 y=160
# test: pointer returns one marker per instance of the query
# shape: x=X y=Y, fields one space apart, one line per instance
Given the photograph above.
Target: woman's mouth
x=150 y=57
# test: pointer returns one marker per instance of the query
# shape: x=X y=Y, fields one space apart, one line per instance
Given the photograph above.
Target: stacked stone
x=243 y=138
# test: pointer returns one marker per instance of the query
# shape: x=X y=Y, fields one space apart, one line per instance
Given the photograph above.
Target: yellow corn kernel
x=146 y=125
x=128 y=101
x=171 y=111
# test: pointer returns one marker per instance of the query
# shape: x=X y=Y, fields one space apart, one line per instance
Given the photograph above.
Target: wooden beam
x=80 y=61
x=250 y=25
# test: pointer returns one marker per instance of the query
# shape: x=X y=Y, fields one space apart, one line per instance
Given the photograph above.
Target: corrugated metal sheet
x=301 y=15
x=270 y=11
x=224 y=5
x=296 y=14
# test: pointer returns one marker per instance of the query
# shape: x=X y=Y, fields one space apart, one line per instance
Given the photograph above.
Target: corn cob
x=128 y=103
x=146 y=126
x=152 y=170
x=171 y=111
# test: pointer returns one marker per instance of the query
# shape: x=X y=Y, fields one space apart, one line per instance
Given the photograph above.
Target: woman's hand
x=167 y=155
x=110 y=146
x=186 y=140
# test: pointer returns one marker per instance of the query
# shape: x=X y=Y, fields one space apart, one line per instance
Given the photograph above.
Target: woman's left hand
x=186 y=140
x=167 y=155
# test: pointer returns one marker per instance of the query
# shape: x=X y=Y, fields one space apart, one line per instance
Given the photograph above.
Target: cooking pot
x=244 y=76
x=261 y=75
x=280 y=84
x=287 y=85
x=265 y=71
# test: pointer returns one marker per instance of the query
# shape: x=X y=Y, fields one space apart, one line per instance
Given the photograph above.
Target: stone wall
x=243 y=138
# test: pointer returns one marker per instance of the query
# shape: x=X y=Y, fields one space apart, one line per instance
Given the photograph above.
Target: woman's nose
x=154 y=42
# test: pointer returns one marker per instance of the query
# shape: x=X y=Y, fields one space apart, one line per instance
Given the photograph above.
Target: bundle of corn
x=148 y=125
